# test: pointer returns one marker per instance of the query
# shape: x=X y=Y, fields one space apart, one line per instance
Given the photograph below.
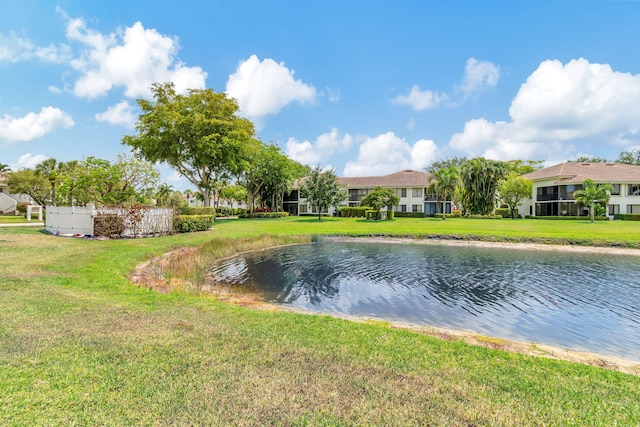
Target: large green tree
x=381 y=197
x=629 y=157
x=444 y=183
x=49 y=169
x=322 y=190
x=593 y=193
x=480 y=179
x=199 y=134
x=27 y=181
x=513 y=190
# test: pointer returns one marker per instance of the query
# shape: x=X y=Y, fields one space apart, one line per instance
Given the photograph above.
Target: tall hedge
x=189 y=223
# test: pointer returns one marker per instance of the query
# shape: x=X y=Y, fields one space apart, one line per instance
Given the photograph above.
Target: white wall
x=69 y=220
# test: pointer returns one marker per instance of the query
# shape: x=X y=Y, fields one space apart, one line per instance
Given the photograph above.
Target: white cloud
x=28 y=161
x=325 y=145
x=478 y=75
x=34 y=125
x=265 y=87
x=14 y=48
x=387 y=153
x=55 y=89
x=557 y=109
x=133 y=58
x=421 y=99
x=120 y=114
x=333 y=94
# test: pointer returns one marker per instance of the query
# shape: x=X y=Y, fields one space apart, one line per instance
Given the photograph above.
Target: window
x=415 y=208
x=303 y=209
x=614 y=209
x=616 y=190
x=634 y=189
x=633 y=209
x=403 y=208
x=416 y=192
x=401 y=192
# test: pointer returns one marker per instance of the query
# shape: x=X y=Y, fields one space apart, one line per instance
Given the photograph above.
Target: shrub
x=457 y=213
x=354 y=212
x=504 y=212
x=372 y=214
x=197 y=210
x=409 y=214
x=390 y=215
x=627 y=217
x=189 y=223
x=567 y=218
x=108 y=225
x=449 y=215
x=490 y=216
x=264 y=215
x=22 y=208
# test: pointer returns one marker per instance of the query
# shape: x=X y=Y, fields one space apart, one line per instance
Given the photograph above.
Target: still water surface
x=579 y=301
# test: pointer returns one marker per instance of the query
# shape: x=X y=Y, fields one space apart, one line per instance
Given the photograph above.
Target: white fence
x=133 y=222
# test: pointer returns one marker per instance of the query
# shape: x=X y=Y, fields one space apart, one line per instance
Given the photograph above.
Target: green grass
x=79 y=345
x=16 y=219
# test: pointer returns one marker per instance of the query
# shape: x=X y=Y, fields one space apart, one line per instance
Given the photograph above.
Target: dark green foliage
x=197 y=210
x=489 y=216
x=480 y=178
x=189 y=223
x=390 y=214
x=409 y=215
x=372 y=214
x=322 y=190
x=264 y=215
x=504 y=212
x=626 y=217
x=354 y=212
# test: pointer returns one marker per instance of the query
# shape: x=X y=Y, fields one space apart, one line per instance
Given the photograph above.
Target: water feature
x=572 y=300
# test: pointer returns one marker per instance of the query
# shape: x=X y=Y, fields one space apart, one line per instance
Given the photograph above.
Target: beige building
x=553 y=188
x=409 y=185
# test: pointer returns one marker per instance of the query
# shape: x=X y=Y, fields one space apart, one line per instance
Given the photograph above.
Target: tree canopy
x=199 y=134
x=480 y=179
x=322 y=190
x=593 y=193
x=27 y=181
x=380 y=197
x=513 y=190
x=444 y=182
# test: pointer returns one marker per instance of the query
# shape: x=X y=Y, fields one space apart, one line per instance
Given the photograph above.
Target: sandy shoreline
x=149 y=270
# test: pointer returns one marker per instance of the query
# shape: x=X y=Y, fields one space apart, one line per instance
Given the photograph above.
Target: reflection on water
x=579 y=301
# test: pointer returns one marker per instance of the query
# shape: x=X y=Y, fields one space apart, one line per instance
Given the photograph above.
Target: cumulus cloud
x=133 y=58
x=14 y=48
x=325 y=145
x=421 y=99
x=55 y=89
x=388 y=153
x=33 y=125
x=556 y=110
x=265 y=87
x=478 y=75
x=120 y=114
x=28 y=161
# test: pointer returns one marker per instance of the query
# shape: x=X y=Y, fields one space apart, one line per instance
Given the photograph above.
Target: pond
x=578 y=301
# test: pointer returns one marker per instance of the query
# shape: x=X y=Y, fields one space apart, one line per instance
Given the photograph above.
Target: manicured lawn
x=79 y=345
x=15 y=219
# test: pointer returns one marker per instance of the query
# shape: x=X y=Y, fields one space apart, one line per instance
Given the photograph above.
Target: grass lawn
x=79 y=345
x=15 y=219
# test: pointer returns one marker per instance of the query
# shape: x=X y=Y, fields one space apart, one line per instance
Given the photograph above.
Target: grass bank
x=80 y=345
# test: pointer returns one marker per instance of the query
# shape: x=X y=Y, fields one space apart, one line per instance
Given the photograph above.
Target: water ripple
x=580 y=301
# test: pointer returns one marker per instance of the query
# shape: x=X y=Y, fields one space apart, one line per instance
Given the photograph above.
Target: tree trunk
x=591 y=213
x=206 y=199
x=319 y=214
x=444 y=208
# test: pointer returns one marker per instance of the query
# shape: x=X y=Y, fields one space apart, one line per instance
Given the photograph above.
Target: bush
x=197 y=210
x=567 y=218
x=457 y=213
x=504 y=212
x=627 y=217
x=22 y=208
x=446 y=216
x=354 y=212
x=390 y=215
x=372 y=214
x=409 y=214
x=108 y=225
x=190 y=223
x=264 y=215
x=490 y=216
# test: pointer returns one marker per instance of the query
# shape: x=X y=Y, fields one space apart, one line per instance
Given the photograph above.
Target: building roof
x=576 y=173
x=404 y=178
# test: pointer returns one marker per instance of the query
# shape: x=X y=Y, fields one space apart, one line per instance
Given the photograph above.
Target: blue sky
x=365 y=87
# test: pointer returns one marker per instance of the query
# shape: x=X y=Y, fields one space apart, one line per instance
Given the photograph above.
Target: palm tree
x=4 y=168
x=49 y=169
x=592 y=193
x=444 y=182
x=164 y=191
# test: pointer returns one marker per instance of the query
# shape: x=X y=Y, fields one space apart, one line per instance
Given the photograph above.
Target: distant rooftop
x=575 y=173
x=404 y=178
